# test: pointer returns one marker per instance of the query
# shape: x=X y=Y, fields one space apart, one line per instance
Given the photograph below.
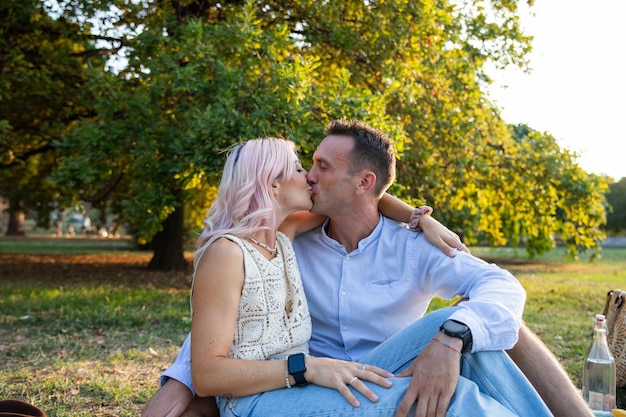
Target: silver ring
x=364 y=366
x=352 y=380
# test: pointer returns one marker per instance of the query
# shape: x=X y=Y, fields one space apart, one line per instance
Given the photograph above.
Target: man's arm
x=492 y=313
x=176 y=392
x=546 y=374
x=171 y=400
x=174 y=399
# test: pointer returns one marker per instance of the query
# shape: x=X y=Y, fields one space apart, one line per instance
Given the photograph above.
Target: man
x=357 y=272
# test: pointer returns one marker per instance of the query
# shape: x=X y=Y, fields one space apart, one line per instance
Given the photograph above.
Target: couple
x=367 y=279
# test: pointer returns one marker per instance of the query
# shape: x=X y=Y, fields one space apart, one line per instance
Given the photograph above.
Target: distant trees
x=193 y=77
x=616 y=197
x=42 y=65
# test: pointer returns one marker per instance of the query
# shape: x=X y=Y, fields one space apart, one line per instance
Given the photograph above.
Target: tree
x=200 y=89
x=40 y=91
x=201 y=75
x=243 y=69
x=616 y=198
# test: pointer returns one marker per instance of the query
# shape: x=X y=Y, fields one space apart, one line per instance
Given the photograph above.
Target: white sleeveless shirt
x=273 y=317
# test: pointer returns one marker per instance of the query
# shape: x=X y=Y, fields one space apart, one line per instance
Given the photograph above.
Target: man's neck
x=350 y=229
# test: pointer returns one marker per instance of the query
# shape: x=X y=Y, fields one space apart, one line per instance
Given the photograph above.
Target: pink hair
x=244 y=202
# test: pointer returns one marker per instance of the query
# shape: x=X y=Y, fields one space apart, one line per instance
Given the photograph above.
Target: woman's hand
x=345 y=376
x=440 y=236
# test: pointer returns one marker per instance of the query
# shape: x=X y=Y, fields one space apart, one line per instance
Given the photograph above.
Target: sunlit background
x=577 y=88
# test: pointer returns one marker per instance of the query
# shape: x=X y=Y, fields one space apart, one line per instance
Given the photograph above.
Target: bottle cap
x=600 y=317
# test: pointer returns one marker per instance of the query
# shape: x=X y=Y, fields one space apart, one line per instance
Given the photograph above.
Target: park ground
x=86 y=329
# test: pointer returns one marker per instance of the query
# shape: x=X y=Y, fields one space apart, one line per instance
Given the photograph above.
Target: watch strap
x=300 y=379
x=465 y=336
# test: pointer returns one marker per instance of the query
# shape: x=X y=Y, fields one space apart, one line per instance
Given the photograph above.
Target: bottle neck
x=599 y=334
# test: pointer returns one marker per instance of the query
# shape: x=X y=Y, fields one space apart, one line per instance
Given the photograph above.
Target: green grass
x=49 y=244
x=78 y=341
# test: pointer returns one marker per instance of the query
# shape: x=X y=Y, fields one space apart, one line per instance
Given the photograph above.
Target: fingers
x=451 y=246
x=428 y=404
x=450 y=242
x=435 y=373
x=368 y=373
x=347 y=377
x=376 y=370
x=464 y=248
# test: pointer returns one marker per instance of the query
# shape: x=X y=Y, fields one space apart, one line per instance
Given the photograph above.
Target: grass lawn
x=85 y=329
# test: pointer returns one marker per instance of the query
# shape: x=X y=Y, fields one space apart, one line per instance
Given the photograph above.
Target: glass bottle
x=599 y=372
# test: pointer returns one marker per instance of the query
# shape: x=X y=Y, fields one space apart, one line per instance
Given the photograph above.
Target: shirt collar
x=363 y=243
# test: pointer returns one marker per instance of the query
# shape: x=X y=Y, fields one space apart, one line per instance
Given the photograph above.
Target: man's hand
x=434 y=373
x=202 y=407
x=171 y=400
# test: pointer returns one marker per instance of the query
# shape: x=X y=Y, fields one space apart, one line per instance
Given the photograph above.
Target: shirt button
x=347 y=257
x=344 y=328
x=343 y=293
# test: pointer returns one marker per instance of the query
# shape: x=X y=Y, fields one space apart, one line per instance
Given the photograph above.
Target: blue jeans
x=490 y=385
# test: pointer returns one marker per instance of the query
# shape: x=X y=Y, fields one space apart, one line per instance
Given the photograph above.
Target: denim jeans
x=490 y=385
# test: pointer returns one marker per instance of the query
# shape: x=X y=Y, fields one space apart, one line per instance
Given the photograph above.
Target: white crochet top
x=273 y=317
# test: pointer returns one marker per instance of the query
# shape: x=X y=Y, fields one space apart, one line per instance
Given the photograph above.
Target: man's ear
x=367 y=182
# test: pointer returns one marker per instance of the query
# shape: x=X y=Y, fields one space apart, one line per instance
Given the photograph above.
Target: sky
x=576 y=90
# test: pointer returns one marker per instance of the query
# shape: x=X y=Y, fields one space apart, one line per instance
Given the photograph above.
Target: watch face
x=296 y=363
x=454 y=326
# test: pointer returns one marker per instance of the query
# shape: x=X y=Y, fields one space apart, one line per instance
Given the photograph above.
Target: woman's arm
x=435 y=232
x=395 y=209
x=217 y=290
x=216 y=296
x=300 y=222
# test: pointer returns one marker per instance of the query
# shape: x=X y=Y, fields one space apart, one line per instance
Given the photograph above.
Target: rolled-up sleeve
x=181 y=368
x=496 y=299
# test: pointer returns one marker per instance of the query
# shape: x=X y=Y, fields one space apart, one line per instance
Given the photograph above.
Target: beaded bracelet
x=415 y=217
x=287 y=376
x=448 y=346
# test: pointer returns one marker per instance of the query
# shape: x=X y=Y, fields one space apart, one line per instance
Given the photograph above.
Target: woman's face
x=295 y=192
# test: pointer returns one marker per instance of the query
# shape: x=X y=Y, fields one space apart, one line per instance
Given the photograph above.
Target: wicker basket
x=616 y=325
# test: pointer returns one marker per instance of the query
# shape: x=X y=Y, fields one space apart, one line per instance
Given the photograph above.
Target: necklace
x=273 y=251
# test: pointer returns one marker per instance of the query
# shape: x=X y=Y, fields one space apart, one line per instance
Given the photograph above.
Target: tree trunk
x=16 y=218
x=167 y=245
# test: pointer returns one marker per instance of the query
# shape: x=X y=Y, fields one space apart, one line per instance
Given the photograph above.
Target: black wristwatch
x=296 y=366
x=459 y=330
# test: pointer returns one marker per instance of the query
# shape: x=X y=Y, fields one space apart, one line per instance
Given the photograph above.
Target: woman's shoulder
x=222 y=248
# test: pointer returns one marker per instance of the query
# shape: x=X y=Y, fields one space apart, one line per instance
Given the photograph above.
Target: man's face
x=332 y=184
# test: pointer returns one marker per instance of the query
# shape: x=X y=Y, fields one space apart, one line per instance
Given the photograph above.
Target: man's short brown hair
x=372 y=150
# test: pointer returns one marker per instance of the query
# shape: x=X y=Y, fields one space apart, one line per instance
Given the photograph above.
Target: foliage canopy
x=194 y=77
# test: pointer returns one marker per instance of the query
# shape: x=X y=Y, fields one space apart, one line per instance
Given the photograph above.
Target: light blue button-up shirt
x=359 y=299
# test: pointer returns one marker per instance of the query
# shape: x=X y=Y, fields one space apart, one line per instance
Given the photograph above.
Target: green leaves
x=200 y=76
x=616 y=198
